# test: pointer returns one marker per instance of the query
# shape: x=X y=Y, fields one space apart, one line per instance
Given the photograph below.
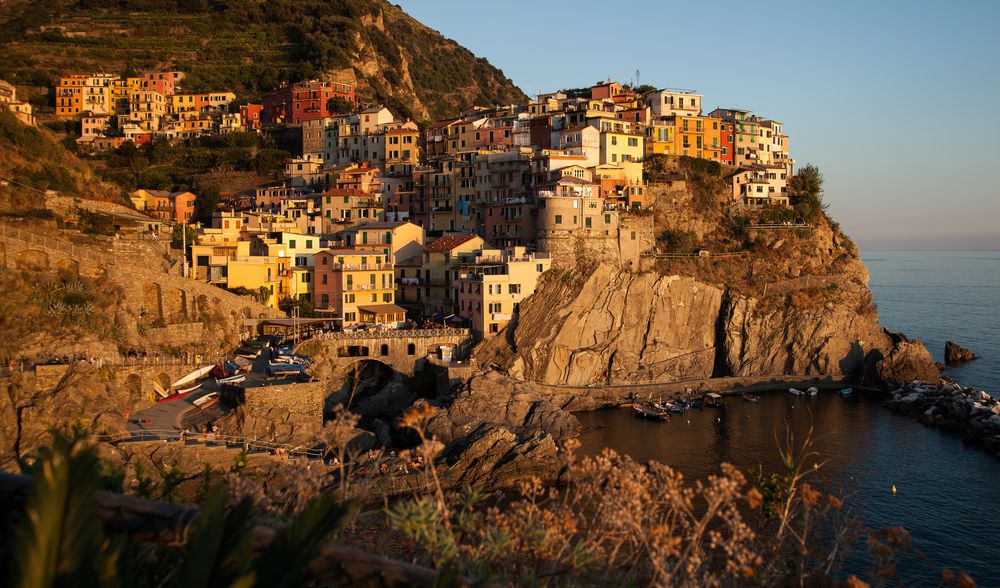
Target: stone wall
x=622 y=248
x=176 y=335
x=301 y=399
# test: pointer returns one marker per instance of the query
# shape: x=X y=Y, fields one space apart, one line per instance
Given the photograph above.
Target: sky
x=897 y=102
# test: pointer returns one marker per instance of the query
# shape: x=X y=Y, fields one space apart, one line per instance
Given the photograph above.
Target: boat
x=231 y=379
x=242 y=363
x=181 y=392
x=847 y=391
x=813 y=391
x=201 y=402
x=284 y=369
x=159 y=390
x=750 y=398
x=209 y=404
x=696 y=404
x=796 y=392
x=646 y=411
x=669 y=406
x=714 y=400
x=195 y=375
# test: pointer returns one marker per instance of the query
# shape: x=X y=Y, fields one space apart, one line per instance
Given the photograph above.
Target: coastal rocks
x=955 y=353
x=494 y=458
x=949 y=406
x=909 y=360
x=490 y=398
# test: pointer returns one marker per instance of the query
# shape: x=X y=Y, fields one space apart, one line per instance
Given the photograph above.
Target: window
x=587 y=222
x=614 y=140
x=384 y=350
x=607 y=219
x=514 y=288
x=411 y=349
x=291 y=243
x=494 y=328
x=558 y=219
x=348 y=298
x=633 y=142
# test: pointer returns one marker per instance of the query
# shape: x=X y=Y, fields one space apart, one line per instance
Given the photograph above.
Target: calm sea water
x=948 y=495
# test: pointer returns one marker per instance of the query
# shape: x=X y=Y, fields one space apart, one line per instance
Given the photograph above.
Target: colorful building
x=489 y=291
x=348 y=279
x=296 y=103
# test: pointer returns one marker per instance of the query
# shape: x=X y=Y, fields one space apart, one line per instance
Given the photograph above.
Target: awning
x=382 y=309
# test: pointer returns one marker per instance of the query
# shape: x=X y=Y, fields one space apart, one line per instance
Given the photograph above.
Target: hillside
x=34 y=158
x=251 y=47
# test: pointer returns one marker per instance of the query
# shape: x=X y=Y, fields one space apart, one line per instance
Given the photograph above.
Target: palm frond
x=221 y=550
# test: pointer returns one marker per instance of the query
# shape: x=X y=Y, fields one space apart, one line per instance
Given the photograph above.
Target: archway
x=32 y=259
x=68 y=267
x=133 y=387
x=352 y=351
x=362 y=379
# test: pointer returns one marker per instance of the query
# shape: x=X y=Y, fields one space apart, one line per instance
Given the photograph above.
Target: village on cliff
x=386 y=222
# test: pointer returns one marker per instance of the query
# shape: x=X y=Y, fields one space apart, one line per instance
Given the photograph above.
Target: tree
x=190 y=235
x=206 y=204
x=340 y=105
x=806 y=192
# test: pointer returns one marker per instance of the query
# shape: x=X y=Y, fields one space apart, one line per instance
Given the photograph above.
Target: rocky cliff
x=795 y=302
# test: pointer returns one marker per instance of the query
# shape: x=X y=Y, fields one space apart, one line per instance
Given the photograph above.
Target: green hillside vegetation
x=36 y=159
x=251 y=47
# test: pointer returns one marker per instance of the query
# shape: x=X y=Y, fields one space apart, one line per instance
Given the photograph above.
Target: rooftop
x=448 y=242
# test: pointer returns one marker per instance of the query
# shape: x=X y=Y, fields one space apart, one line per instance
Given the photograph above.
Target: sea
x=948 y=495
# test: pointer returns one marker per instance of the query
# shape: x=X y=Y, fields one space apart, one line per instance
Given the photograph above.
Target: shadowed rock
x=955 y=353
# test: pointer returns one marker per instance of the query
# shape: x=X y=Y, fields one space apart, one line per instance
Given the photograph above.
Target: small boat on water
x=231 y=379
x=676 y=407
x=750 y=398
x=206 y=401
x=847 y=391
x=812 y=391
x=713 y=400
x=796 y=392
x=647 y=411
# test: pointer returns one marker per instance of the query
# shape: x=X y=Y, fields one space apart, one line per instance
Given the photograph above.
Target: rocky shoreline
x=951 y=407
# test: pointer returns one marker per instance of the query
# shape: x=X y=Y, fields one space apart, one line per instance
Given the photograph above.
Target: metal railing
x=212 y=440
x=397 y=333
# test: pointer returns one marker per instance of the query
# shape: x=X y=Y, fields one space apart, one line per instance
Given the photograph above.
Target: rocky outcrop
x=494 y=458
x=491 y=399
x=955 y=353
x=623 y=326
x=972 y=413
x=908 y=360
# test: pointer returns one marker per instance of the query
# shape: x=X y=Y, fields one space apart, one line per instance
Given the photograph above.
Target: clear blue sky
x=898 y=102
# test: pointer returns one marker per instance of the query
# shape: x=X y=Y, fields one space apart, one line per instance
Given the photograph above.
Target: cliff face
x=795 y=303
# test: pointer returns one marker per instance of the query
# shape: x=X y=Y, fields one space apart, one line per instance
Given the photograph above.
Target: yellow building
x=348 y=280
x=619 y=147
x=402 y=146
x=259 y=273
x=490 y=291
x=438 y=270
x=398 y=240
x=661 y=138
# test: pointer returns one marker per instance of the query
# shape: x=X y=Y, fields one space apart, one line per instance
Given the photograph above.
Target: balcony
x=501 y=316
x=365 y=288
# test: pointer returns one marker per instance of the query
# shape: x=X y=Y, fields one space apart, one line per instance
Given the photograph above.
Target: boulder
x=491 y=398
x=955 y=353
x=907 y=361
x=494 y=458
x=392 y=399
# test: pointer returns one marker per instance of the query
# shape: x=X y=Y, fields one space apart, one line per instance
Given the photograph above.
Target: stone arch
x=68 y=266
x=247 y=313
x=353 y=351
x=133 y=387
x=32 y=259
x=163 y=380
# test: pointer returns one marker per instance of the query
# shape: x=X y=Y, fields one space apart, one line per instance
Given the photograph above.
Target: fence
x=52 y=244
x=778 y=227
x=698 y=254
x=212 y=440
x=782 y=287
x=378 y=334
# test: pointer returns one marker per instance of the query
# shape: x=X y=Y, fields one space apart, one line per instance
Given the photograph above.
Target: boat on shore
x=796 y=392
x=193 y=376
x=182 y=392
x=285 y=369
x=648 y=411
x=812 y=391
x=236 y=379
x=210 y=399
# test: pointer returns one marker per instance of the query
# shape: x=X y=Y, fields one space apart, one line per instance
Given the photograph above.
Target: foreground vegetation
x=615 y=522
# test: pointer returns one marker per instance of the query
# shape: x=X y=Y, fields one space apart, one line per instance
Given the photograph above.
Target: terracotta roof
x=448 y=242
